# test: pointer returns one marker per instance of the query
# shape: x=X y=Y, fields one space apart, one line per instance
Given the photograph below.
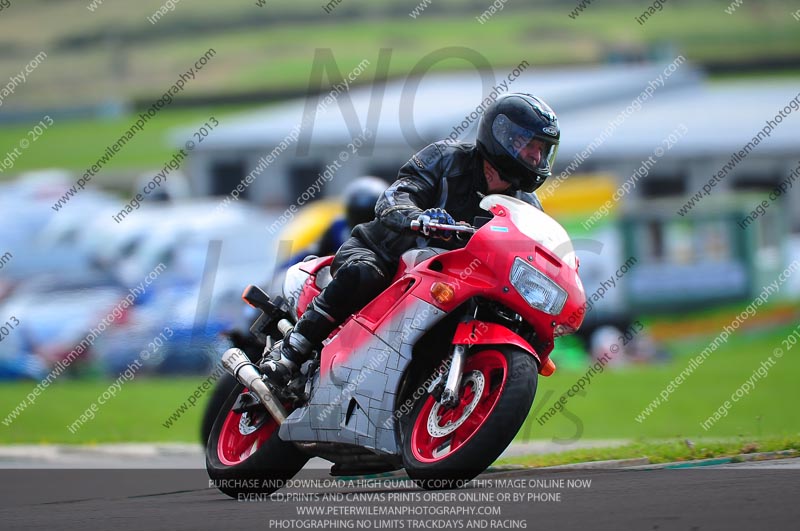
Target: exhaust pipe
x=240 y=367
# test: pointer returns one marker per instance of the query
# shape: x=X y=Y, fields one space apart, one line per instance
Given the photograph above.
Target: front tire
x=445 y=448
x=244 y=454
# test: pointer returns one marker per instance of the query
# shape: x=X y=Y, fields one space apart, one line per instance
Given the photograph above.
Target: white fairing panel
x=293 y=285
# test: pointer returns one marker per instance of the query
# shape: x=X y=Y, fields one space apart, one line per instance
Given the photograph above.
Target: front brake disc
x=434 y=429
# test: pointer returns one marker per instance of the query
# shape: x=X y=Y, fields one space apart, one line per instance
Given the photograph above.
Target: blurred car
x=183 y=239
x=196 y=308
x=53 y=322
x=42 y=240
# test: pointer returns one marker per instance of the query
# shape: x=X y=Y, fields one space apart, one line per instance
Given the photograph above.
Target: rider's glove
x=439 y=215
x=435 y=215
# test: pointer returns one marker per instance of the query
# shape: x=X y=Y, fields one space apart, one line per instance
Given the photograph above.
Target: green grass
x=135 y=415
x=261 y=49
x=661 y=452
x=280 y=53
x=77 y=144
x=614 y=398
x=607 y=411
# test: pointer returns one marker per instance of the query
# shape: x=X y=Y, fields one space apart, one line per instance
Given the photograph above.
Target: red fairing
x=483 y=333
x=483 y=268
x=310 y=289
x=314 y=265
x=361 y=329
x=388 y=303
x=349 y=339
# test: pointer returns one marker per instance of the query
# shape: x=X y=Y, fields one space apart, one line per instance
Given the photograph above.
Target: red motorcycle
x=435 y=376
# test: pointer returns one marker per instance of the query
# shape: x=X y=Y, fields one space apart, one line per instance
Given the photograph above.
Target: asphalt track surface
x=731 y=497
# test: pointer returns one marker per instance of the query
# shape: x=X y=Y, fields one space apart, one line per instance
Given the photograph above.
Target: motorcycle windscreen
x=536 y=225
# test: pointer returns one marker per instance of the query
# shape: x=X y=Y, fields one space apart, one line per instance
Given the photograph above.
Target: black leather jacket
x=442 y=175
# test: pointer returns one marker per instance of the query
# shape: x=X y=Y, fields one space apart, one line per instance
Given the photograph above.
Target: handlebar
x=417 y=225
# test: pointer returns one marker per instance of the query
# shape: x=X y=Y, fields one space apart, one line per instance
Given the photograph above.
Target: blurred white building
x=720 y=119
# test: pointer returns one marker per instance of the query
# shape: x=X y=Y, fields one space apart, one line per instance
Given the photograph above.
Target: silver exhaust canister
x=236 y=362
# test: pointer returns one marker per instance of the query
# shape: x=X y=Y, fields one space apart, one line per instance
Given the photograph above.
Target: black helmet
x=360 y=197
x=506 y=136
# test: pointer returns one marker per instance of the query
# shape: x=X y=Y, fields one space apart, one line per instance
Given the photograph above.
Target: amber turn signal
x=442 y=292
x=548 y=368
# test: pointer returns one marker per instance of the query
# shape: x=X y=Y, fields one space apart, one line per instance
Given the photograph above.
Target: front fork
x=449 y=396
x=445 y=388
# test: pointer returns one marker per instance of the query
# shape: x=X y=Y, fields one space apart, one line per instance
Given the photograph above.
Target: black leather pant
x=359 y=275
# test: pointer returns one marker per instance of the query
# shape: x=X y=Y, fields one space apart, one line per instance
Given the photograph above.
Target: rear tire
x=224 y=387
x=227 y=383
x=444 y=449
x=253 y=462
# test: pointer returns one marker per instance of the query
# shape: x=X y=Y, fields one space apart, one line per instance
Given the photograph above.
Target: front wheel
x=244 y=454
x=446 y=447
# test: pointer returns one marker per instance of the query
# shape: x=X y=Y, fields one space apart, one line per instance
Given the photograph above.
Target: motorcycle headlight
x=537 y=289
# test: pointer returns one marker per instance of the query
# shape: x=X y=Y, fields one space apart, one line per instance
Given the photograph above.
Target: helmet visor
x=528 y=149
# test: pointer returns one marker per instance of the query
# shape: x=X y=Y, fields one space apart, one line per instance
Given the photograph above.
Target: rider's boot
x=297 y=347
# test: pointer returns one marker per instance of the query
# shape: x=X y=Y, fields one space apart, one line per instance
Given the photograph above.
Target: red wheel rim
x=234 y=446
x=428 y=448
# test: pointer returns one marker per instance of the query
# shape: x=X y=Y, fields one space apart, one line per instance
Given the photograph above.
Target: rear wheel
x=226 y=383
x=223 y=388
x=244 y=454
x=446 y=447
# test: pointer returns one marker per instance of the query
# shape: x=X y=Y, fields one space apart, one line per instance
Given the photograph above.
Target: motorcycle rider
x=517 y=141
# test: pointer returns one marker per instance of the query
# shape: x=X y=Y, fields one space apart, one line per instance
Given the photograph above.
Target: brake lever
x=425 y=228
